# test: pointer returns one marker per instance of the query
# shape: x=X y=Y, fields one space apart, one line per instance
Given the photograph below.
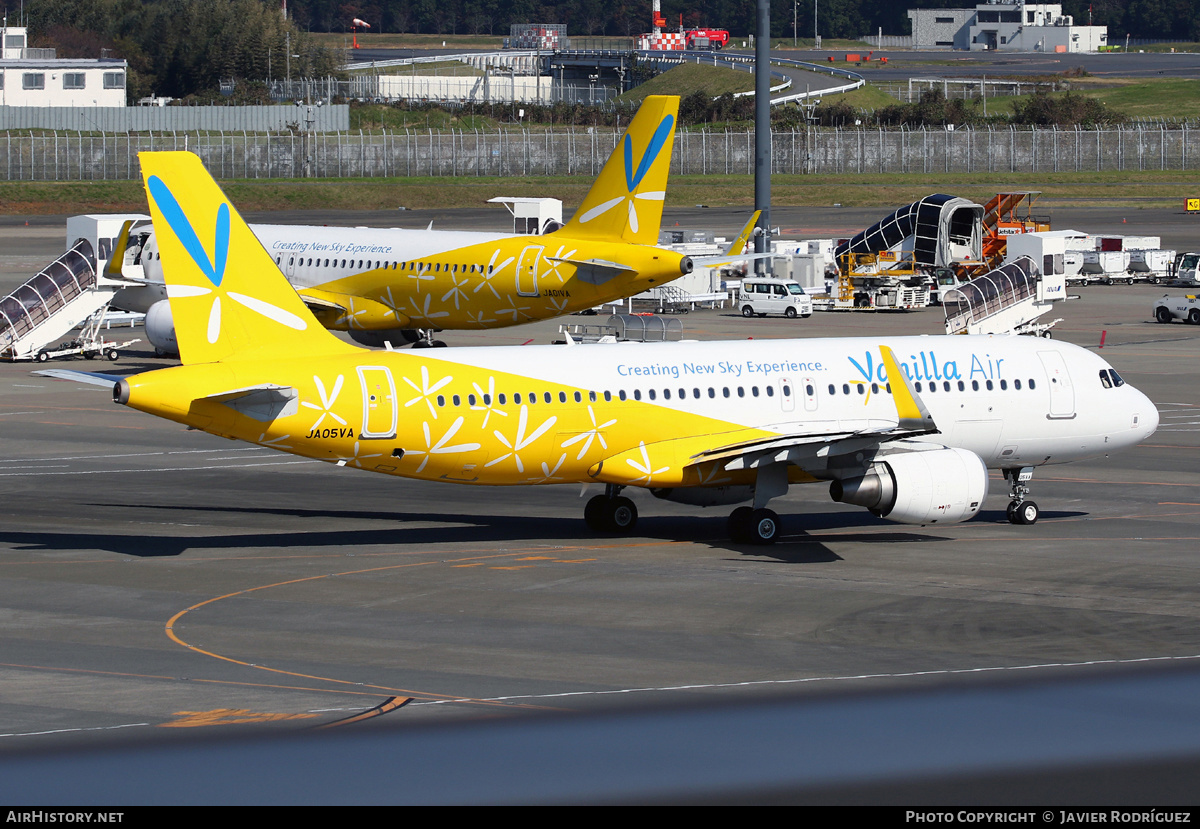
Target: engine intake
x=940 y=486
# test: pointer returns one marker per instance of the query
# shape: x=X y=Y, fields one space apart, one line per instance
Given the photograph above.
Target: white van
x=774 y=296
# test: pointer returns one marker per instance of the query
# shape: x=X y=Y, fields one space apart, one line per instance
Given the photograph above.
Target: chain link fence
x=583 y=151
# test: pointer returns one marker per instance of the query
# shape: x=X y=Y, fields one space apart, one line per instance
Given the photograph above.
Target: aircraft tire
x=439 y=344
x=764 y=526
x=1162 y=314
x=790 y=313
x=747 y=311
x=1027 y=513
x=738 y=525
x=621 y=515
x=1011 y=511
x=594 y=514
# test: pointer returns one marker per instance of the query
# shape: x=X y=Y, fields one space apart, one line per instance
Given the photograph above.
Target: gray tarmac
x=159 y=582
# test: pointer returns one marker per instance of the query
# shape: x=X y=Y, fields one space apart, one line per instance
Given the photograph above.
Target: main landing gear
x=755 y=526
x=425 y=339
x=610 y=512
x=1019 y=510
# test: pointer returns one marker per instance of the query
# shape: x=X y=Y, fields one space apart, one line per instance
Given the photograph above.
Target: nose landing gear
x=1019 y=510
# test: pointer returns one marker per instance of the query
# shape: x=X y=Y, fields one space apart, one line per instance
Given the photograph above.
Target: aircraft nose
x=1147 y=414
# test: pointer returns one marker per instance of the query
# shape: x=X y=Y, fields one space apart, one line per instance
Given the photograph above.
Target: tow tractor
x=90 y=343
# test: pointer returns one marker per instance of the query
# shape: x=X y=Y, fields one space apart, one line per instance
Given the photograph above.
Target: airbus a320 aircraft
x=906 y=427
x=402 y=285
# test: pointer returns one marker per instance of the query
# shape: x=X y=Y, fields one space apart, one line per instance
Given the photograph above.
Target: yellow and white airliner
x=906 y=427
x=396 y=285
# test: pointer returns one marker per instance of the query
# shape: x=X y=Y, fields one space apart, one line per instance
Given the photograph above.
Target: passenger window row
x=988 y=385
x=532 y=398
x=436 y=267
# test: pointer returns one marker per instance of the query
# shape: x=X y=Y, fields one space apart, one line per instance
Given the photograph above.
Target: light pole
x=795 y=18
x=816 y=37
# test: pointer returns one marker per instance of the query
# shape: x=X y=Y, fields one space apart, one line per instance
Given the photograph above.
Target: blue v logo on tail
x=632 y=180
x=178 y=220
x=625 y=204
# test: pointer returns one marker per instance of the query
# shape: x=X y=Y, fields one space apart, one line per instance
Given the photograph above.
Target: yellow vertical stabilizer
x=228 y=298
x=626 y=202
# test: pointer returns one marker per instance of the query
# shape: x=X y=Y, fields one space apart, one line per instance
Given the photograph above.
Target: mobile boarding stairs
x=69 y=292
x=1010 y=299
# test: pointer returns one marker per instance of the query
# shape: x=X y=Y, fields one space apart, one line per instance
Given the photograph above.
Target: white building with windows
x=35 y=78
x=1006 y=26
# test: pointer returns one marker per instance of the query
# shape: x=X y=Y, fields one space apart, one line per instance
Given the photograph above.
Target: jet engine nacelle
x=160 y=328
x=940 y=486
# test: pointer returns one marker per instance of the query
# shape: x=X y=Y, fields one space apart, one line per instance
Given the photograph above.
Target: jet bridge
x=1009 y=299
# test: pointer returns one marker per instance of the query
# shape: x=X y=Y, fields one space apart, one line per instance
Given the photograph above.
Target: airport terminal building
x=1004 y=26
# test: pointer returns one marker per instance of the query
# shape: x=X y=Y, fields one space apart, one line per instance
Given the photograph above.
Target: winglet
x=738 y=245
x=911 y=413
x=116 y=259
x=626 y=202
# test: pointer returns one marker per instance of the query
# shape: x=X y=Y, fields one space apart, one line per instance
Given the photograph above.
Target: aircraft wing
x=341 y=310
x=797 y=449
x=912 y=420
x=316 y=303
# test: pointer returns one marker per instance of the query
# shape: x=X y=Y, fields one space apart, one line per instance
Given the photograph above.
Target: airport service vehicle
x=906 y=427
x=1184 y=270
x=402 y=286
x=1185 y=307
x=773 y=296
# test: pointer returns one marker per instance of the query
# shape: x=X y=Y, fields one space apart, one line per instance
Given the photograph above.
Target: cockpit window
x=1110 y=379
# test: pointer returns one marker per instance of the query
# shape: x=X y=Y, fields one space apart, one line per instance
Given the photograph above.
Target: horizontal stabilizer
x=594 y=271
x=92 y=378
x=264 y=402
x=719 y=259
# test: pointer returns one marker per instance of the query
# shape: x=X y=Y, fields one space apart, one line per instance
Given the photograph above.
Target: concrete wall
x=941 y=28
x=121 y=119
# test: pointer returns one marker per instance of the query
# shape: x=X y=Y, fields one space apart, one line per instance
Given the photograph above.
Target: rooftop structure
x=36 y=78
x=1005 y=26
